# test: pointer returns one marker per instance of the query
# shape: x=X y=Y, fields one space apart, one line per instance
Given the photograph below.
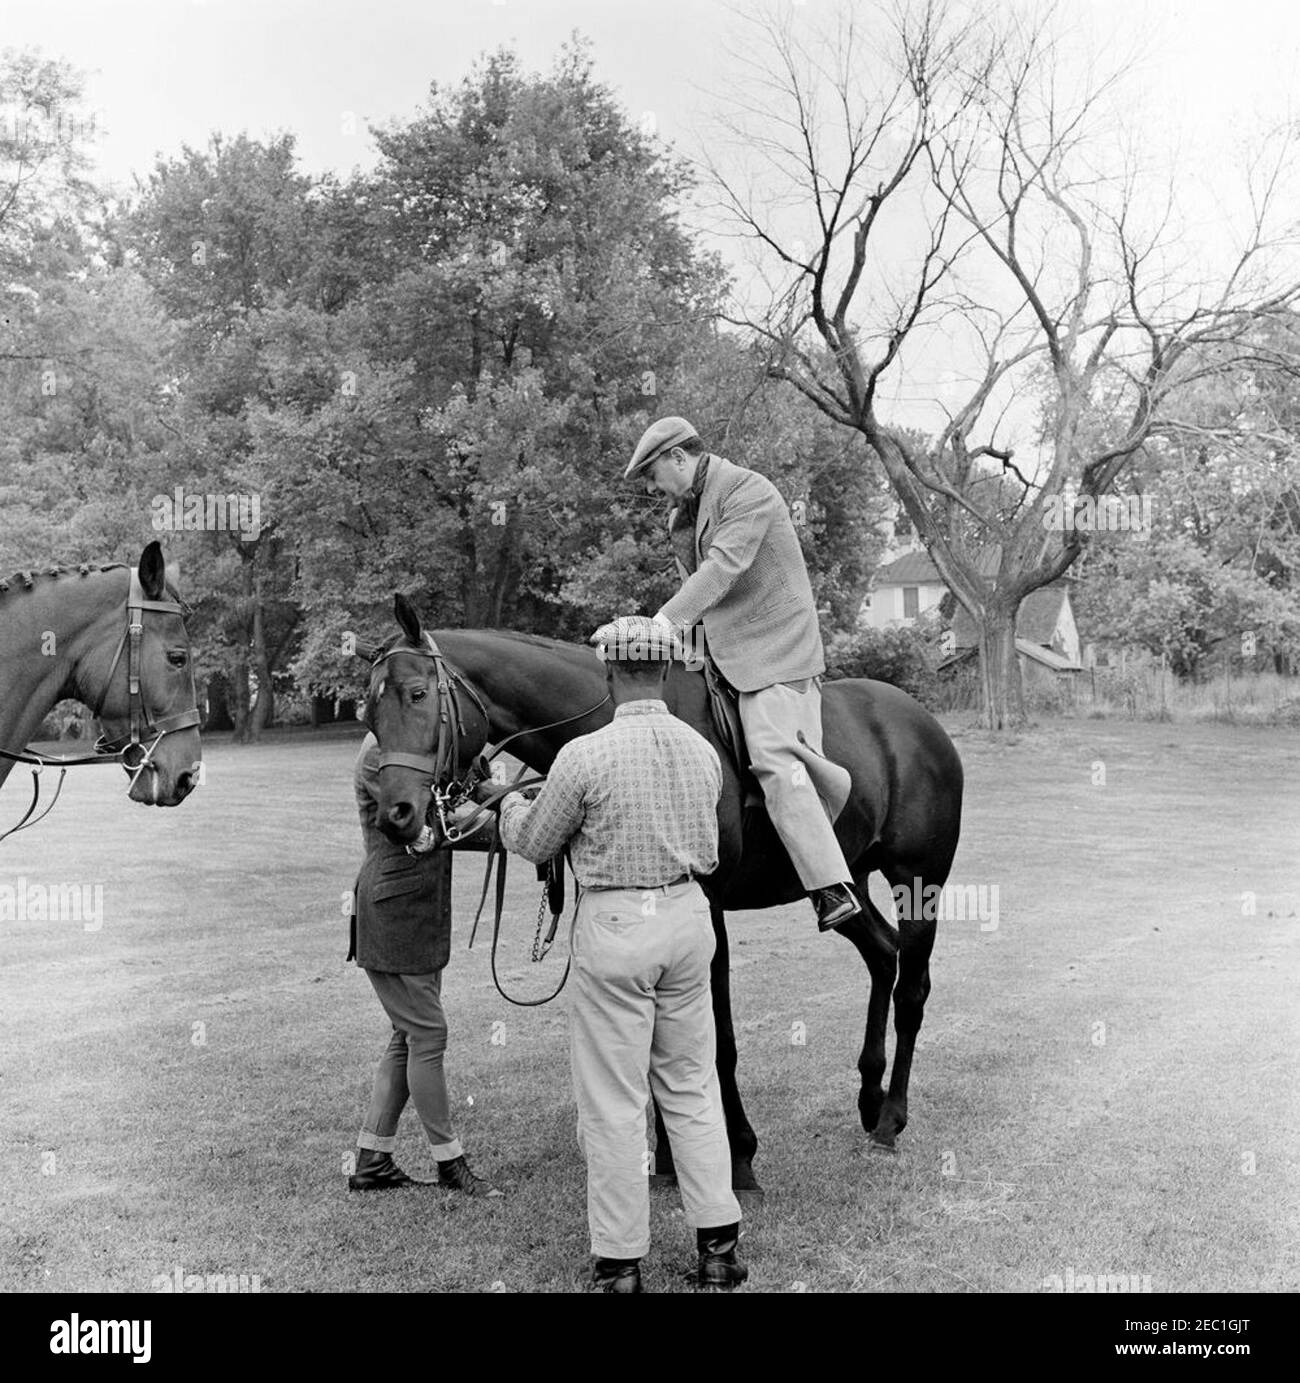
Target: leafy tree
x=224 y=236
x=533 y=293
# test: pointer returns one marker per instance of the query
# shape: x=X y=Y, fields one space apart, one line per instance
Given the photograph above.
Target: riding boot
x=376 y=1171
x=615 y=1275
x=720 y=1270
x=834 y=905
x=455 y=1175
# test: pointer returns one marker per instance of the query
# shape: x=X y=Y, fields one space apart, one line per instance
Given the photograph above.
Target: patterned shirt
x=636 y=802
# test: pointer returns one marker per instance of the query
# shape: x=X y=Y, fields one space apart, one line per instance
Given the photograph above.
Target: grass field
x=1106 y=1082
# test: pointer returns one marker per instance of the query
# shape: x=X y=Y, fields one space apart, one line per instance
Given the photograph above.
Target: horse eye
x=419 y=694
x=178 y=659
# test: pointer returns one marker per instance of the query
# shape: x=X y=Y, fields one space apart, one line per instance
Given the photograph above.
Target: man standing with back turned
x=744 y=578
x=636 y=802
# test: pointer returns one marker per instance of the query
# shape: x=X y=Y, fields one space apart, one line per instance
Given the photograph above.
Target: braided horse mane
x=25 y=580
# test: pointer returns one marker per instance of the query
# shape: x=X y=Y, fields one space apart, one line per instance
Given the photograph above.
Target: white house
x=903 y=589
x=910 y=586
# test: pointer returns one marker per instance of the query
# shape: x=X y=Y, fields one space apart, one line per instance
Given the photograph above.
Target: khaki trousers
x=803 y=791
x=641 y=1019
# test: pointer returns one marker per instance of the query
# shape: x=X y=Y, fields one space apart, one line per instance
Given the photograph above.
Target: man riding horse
x=744 y=580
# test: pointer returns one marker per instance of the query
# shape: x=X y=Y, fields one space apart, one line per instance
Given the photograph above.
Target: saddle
x=724 y=711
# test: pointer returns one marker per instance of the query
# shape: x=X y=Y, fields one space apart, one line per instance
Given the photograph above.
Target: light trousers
x=803 y=791
x=641 y=1019
x=411 y=1066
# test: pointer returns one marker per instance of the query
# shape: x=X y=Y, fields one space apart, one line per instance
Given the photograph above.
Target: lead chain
x=541 y=947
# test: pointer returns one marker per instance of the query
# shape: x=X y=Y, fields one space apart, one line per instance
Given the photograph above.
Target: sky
x=163 y=73
x=167 y=72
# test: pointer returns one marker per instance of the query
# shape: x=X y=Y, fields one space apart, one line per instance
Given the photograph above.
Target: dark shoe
x=834 y=905
x=615 y=1275
x=376 y=1171
x=456 y=1176
x=720 y=1270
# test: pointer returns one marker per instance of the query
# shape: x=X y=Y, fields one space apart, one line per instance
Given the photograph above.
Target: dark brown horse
x=68 y=634
x=902 y=818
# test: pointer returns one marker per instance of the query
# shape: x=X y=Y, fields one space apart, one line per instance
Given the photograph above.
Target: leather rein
x=116 y=750
x=450 y=790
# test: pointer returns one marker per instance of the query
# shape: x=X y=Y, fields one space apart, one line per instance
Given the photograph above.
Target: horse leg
x=665 y=1172
x=910 y=994
x=740 y=1136
x=864 y=933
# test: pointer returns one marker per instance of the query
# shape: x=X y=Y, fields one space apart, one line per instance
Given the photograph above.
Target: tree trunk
x=504 y=580
x=239 y=693
x=240 y=668
x=218 y=717
x=1001 y=693
x=264 y=706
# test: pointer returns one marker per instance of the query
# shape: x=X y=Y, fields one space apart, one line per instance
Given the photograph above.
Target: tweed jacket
x=750 y=587
x=401 y=922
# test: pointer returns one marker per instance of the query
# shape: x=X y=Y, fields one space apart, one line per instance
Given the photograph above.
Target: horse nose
x=184 y=783
x=400 y=814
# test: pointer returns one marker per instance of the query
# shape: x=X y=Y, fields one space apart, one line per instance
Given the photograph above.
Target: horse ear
x=362 y=649
x=409 y=619
x=153 y=575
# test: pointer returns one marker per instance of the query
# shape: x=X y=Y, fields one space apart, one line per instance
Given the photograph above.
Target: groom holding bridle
x=744 y=580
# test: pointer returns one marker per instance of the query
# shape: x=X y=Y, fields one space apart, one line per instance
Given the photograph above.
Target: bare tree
x=938 y=186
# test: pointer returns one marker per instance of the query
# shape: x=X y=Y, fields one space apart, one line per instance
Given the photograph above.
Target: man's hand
x=484 y=789
x=607 y=633
x=610 y=631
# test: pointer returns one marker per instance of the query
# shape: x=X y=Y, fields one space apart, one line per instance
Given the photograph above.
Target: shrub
x=905 y=657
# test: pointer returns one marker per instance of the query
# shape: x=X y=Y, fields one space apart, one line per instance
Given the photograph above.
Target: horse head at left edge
x=112 y=637
x=147 y=705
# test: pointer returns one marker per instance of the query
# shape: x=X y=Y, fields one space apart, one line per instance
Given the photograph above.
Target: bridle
x=450 y=789
x=139 y=714
x=121 y=749
x=449 y=784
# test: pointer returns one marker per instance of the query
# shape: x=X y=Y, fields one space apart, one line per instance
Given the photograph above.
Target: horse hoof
x=881 y=1145
x=663 y=1178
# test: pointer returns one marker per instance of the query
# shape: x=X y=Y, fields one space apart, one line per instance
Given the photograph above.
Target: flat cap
x=657 y=439
x=636 y=639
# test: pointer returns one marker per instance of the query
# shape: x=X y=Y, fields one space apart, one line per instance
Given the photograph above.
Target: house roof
x=917 y=569
x=1039 y=612
x=1049 y=657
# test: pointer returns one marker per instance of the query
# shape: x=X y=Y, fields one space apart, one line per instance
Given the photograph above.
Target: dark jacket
x=402 y=903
